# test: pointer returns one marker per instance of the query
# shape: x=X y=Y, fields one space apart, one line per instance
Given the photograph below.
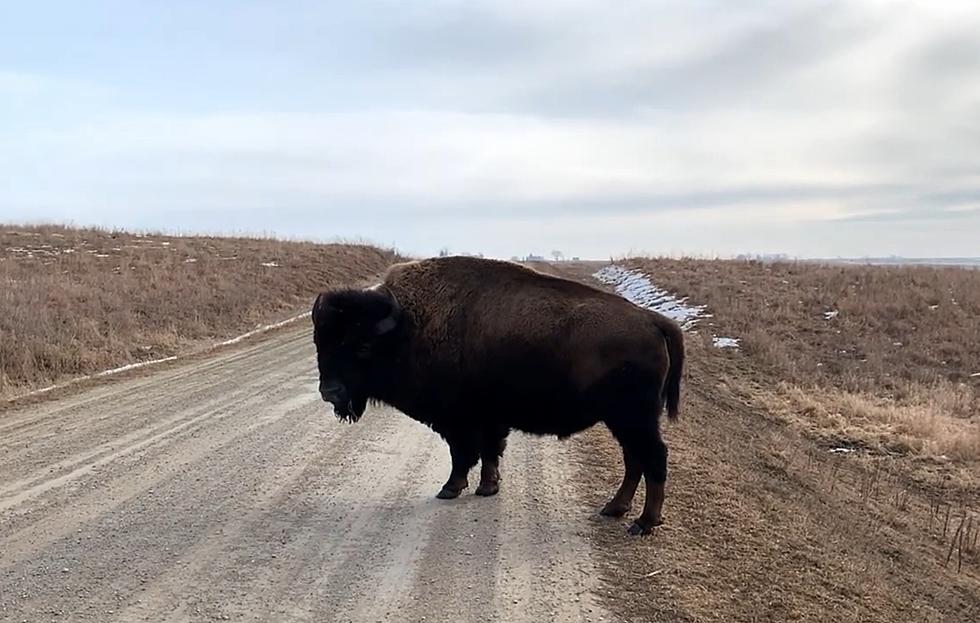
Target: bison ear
x=390 y=321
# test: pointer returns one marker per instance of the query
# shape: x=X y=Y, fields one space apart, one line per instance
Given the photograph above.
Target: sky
x=815 y=129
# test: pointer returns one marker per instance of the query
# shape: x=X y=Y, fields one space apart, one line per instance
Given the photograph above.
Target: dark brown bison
x=475 y=348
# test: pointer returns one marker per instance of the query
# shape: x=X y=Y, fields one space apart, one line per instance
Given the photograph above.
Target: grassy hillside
x=76 y=301
x=881 y=358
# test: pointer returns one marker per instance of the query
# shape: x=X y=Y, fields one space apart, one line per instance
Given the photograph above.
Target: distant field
x=77 y=301
x=880 y=358
x=965 y=262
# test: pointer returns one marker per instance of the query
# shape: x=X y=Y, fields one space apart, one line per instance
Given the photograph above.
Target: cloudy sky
x=598 y=128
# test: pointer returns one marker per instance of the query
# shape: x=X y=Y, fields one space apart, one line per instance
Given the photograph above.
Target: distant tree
x=558 y=255
x=443 y=252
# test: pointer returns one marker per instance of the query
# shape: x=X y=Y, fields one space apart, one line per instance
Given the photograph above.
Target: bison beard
x=476 y=348
x=347 y=412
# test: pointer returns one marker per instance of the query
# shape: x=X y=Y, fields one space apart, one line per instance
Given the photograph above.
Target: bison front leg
x=464 y=450
x=492 y=448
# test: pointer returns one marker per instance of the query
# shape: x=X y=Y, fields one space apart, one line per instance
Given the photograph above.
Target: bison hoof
x=450 y=491
x=612 y=510
x=447 y=494
x=486 y=489
x=638 y=528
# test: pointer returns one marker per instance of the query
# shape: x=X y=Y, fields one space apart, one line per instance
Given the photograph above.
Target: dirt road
x=225 y=490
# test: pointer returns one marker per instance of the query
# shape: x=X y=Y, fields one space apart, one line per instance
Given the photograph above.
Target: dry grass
x=76 y=301
x=890 y=369
x=918 y=425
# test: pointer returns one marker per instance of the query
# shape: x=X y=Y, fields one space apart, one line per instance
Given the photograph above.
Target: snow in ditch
x=637 y=288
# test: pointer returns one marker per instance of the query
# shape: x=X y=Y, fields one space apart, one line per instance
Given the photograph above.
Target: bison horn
x=317 y=304
x=386 y=325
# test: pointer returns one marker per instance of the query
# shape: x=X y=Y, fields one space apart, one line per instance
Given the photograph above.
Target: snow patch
x=262 y=329
x=270 y=264
x=830 y=315
x=132 y=366
x=725 y=342
x=635 y=287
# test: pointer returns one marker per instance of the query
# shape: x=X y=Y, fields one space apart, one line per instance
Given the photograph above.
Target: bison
x=475 y=348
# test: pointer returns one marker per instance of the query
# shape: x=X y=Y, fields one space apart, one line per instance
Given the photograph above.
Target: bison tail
x=675 y=350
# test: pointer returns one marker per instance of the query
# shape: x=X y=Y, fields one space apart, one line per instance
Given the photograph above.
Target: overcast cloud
x=810 y=128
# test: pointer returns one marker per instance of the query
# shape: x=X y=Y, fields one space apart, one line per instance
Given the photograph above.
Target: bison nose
x=332 y=391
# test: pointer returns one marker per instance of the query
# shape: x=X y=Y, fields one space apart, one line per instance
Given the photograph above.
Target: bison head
x=349 y=328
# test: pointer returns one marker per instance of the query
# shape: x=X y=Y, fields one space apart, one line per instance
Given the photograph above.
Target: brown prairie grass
x=917 y=425
x=884 y=358
x=76 y=301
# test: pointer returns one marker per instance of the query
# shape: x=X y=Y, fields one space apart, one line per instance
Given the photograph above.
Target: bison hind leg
x=651 y=455
x=621 y=503
x=633 y=420
x=629 y=402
